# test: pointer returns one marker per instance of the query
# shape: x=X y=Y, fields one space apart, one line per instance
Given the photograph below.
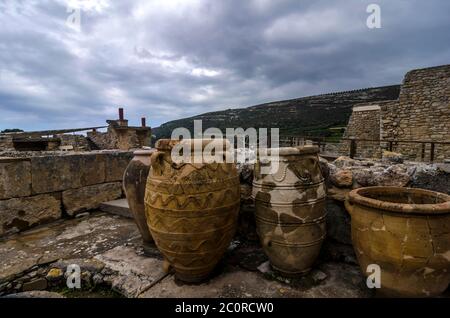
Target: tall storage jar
x=192 y=205
x=290 y=207
x=134 y=183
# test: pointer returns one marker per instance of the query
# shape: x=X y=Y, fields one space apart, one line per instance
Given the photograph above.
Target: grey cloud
x=167 y=59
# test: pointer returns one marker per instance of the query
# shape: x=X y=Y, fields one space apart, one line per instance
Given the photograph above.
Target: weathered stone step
x=117 y=207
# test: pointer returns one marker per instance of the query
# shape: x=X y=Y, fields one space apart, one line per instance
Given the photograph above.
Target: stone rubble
x=345 y=172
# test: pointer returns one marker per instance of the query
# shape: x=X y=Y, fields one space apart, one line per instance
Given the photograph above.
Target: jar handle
x=155 y=158
x=267 y=242
x=349 y=206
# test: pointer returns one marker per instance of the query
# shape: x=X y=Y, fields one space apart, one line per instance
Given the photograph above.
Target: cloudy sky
x=168 y=59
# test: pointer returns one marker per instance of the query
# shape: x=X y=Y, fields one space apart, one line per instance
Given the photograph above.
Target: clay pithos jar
x=134 y=183
x=192 y=208
x=406 y=232
x=290 y=208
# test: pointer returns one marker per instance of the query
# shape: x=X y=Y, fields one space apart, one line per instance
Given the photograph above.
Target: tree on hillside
x=11 y=130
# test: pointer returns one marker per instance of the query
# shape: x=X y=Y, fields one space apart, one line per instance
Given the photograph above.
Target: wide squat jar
x=405 y=234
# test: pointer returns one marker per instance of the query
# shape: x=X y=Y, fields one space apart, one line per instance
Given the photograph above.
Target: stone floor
x=107 y=248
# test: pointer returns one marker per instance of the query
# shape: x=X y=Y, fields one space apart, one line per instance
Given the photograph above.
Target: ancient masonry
x=41 y=188
x=121 y=136
x=118 y=136
x=49 y=175
x=421 y=113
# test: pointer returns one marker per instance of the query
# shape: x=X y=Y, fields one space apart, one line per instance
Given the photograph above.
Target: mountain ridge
x=308 y=115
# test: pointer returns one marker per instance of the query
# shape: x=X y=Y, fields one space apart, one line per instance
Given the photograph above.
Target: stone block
x=344 y=162
x=395 y=176
x=92 y=169
x=115 y=165
x=90 y=197
x=363 y=177
x=59 y=173
x=342 y=178
x=130 y=273
x=117 y=207
x=55 y=173
x=19 y=214
x=15 y=178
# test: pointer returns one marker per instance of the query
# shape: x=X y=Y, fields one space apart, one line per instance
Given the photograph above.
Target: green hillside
x=312 y=116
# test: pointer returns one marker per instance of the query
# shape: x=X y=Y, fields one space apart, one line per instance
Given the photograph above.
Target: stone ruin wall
x=6 y=142
x=364 y=123
x=78 y=142
x=123 y=139
x=42 y=188
x=422 y=113
x=103 y=140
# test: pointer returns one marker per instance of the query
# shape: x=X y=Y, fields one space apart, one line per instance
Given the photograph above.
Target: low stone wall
x=45 y=187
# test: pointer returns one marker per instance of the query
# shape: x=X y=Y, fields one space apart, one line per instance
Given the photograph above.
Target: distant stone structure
x=121 y=136
x=6 y=142
x=421 y=113
x=118 y=136
x=74 y=142
x=46 y=140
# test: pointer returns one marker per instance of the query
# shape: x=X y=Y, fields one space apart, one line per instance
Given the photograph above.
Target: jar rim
x=363 y=196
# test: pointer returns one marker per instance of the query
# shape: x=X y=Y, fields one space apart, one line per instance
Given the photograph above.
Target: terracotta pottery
x=290 y=209
x=407 y=233
x=134 y=183
x=192 y=208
